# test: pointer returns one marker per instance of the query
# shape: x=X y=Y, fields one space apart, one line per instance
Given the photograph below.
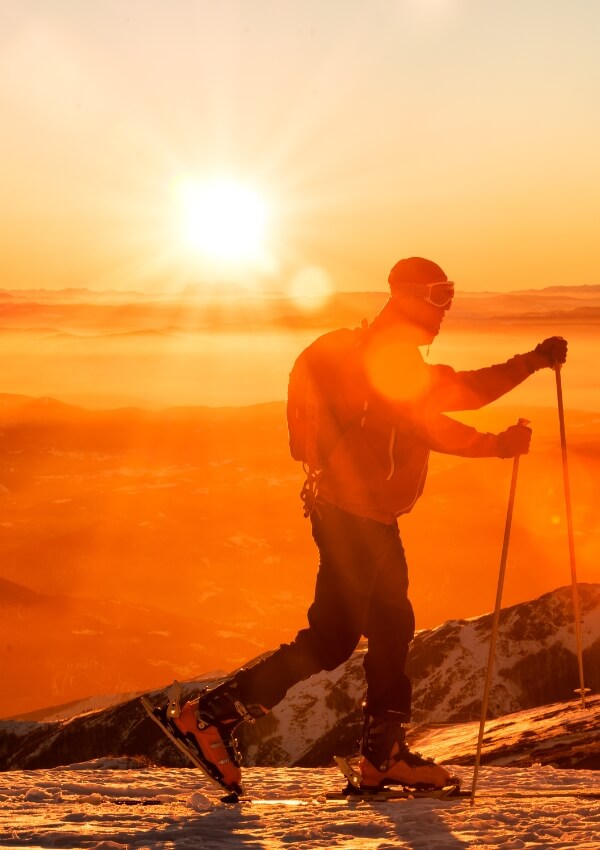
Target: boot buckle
x=174 y=697
x=243 y=712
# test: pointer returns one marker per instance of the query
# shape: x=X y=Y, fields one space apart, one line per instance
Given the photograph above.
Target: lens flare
x=310 y=288
x=395 y=370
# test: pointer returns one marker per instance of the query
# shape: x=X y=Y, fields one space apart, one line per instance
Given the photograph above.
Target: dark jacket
x=393 y=415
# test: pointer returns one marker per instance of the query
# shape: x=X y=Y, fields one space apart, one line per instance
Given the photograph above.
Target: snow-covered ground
x=110 y=804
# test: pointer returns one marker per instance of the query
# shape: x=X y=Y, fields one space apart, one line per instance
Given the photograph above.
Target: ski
x=160 y=717
x=352 y=795
x=383 y=795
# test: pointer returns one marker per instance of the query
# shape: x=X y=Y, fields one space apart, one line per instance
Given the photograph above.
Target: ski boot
x=208 y=722
x=387 y=760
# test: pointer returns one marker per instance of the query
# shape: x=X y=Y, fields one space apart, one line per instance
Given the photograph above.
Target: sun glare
x=223 y=220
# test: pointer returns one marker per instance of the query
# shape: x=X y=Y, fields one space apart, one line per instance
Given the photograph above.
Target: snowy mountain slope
x=536 y=665
x=564 y=734
x=535 y=657
x=111 y=805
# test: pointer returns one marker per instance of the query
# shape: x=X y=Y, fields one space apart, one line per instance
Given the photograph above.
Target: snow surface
x=107 y=804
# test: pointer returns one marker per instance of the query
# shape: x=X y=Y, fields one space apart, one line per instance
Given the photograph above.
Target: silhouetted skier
x=389 y=407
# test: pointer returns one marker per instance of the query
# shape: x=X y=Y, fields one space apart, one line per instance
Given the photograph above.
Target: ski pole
x=496 y=618
x=582 y=690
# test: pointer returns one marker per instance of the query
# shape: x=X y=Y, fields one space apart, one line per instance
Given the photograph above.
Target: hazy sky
x=463 y=130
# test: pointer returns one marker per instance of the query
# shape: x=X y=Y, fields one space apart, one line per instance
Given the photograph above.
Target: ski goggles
x=438 y=294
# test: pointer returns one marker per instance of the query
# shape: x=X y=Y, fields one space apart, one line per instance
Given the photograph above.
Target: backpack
x=316 y=414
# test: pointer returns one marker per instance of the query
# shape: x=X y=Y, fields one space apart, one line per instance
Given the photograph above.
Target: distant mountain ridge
x=89 y=314
x=196 y=291
x=320 y=717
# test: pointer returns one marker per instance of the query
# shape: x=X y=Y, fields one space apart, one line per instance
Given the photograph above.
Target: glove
x=514 y=441
x=553 y=351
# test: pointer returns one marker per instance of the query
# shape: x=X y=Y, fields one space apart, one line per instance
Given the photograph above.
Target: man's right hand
x=553 y=351
x=514 y=441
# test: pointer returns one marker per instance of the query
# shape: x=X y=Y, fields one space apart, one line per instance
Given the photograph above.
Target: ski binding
x=391 y=792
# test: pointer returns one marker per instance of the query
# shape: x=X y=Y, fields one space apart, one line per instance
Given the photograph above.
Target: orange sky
x=462 y=130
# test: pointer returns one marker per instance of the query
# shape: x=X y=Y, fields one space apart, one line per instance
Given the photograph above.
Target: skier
x=390 y=406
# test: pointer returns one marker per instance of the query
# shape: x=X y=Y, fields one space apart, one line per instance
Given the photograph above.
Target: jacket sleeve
x=450 y=390
x=443 y=434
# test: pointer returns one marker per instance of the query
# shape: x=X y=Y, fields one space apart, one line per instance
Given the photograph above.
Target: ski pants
x=361 y=589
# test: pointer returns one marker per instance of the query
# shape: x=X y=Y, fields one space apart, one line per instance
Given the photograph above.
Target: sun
x=223 y=220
